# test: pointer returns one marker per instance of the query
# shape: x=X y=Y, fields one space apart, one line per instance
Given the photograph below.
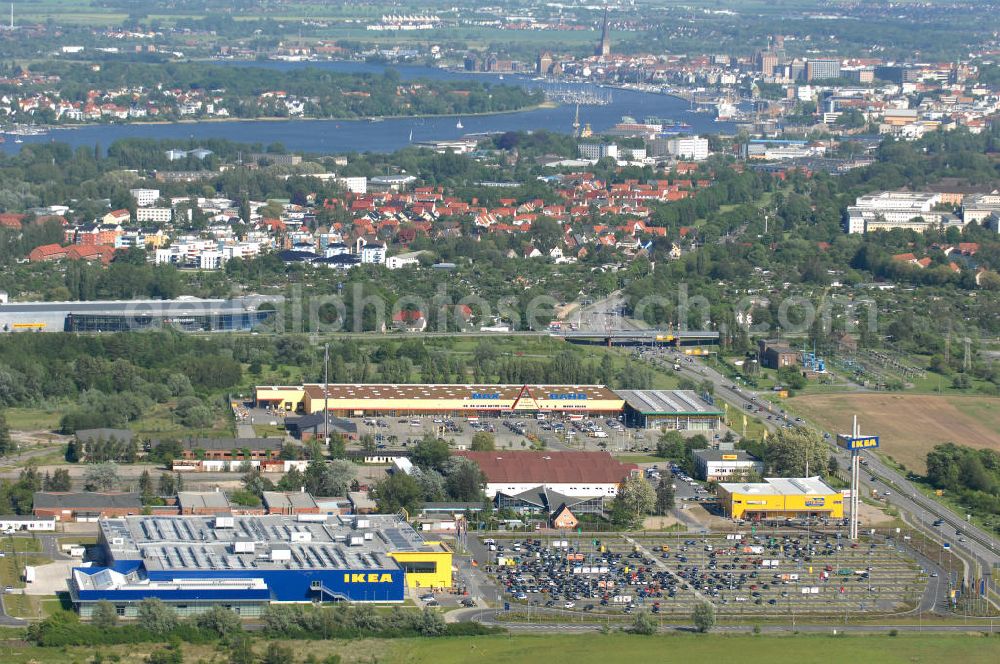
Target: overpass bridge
x=611 y=337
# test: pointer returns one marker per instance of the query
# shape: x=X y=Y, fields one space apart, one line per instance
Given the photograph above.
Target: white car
x=569 y=605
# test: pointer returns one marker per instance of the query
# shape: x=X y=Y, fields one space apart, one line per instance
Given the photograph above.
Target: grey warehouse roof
x=86 y=499
x=276 y=500
x=90 y=435
x=203 y=500
x=246 y=542
x=667 y=402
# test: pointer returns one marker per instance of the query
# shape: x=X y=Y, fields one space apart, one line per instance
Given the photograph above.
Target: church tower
x=604 y=47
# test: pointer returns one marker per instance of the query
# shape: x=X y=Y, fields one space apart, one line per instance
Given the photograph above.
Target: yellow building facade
x=348 y=400
x=781 y=498
x=430 y=568
x=281 y=397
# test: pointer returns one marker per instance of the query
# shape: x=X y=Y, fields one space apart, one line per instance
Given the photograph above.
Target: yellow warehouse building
x=347 y=400
x=781 y=498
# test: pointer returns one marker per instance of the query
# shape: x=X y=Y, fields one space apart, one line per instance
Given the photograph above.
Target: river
x=340 y=136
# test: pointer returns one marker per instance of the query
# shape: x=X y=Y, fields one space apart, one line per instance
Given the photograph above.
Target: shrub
x=703 y=617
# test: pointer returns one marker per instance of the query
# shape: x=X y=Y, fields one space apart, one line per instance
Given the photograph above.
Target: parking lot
x=765 y=574
x=556 y=432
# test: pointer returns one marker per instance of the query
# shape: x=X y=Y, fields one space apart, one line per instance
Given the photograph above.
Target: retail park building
x=675 y=409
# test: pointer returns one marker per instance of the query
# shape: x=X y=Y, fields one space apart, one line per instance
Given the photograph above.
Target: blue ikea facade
x=246 y=562
x=307 y=585
x=283 y=585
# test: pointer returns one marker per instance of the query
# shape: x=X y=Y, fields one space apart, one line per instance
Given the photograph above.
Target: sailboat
x=411 y=136
x=459 y=125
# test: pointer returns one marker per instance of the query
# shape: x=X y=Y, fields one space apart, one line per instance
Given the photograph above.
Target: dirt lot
x=909 y=425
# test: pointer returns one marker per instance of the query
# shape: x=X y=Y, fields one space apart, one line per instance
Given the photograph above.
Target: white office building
x=156 y=215
x=145 y=197
x=373 y=254
x=725 y=465
x=355 y=185
x=210 y=260
x=598 y=151
x=693 y=148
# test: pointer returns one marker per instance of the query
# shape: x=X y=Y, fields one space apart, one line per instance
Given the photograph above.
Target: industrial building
x=187 y=314
x=774 y=355
x=781 y=498
x=669 y=409
x=244 y=563
x=84 y=506
x=446 y=400
x=725 y=465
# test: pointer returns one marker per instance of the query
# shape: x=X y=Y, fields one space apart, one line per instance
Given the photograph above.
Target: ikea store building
x=246 y=562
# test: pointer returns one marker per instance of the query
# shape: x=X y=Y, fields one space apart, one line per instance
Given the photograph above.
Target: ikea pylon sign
x=859 y=443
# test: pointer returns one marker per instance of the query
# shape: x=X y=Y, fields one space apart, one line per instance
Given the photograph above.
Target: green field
x=586 y=649
x=12 y=567
x=20 y=545
x=910 y=424
x=599 y=649
x=33 y=419
x=31 y=606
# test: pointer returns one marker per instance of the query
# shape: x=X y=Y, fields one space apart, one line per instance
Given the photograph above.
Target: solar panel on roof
x=647 y=400
x=668 y=400
x=695 y=405
x=103 y=580
x=396 y=538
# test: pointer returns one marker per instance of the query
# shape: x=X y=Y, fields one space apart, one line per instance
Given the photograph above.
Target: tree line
x=971 y=476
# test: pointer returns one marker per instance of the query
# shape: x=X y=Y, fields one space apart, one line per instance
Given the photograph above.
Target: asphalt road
x=604 y=315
